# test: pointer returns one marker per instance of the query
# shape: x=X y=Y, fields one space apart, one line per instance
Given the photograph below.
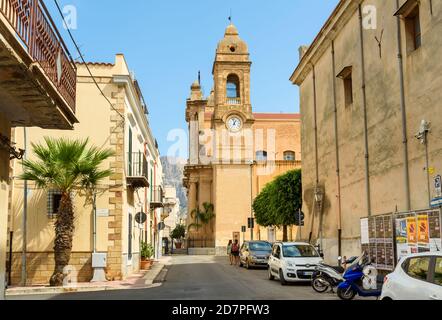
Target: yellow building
x=37 y=89
x=233 y=152
x=372 y=119
x=135 y=185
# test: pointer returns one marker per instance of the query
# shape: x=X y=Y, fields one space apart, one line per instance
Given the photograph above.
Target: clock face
x=234 y=124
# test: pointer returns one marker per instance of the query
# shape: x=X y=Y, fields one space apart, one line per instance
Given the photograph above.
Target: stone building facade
x=133 y=187
x=37 y=89
x=369 y=83
x=233 y=151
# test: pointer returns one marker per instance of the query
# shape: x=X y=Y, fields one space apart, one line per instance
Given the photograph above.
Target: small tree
x=178 y=233
x=279 y=202
x=67 y=166
x=202 y=217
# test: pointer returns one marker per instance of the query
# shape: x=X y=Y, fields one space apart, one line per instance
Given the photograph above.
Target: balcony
x=157 y=200
x=137 y=172
x=233 y=101
x=37 y=74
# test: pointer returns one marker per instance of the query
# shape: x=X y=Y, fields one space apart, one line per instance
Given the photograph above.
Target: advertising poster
x=403 y=249
x=423 y=233
x=434 y=221
x=412 y=234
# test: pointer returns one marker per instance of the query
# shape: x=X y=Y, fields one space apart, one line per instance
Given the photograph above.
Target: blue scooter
x=354 y=281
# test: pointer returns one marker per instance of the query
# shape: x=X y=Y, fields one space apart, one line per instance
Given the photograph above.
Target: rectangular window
x=346 y=76
x=413 y=29
x=419 y=268
x=130 y=155
x=54 y=200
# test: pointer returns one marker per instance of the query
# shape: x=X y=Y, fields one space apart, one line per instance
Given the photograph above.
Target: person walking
x=235 y=253
x=229 y=251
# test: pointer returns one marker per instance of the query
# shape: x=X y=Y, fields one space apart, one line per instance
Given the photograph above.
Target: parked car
x=417 y=277
x=255 y=254
x=293 y=262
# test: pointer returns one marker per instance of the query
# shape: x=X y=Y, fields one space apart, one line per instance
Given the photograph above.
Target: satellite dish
x=141 y=217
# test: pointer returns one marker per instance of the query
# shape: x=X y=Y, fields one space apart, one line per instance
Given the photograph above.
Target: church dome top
x=232 y=43
x=231 y=30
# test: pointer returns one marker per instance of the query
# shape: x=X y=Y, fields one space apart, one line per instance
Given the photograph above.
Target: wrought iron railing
x=37 y=32
x=137 y=165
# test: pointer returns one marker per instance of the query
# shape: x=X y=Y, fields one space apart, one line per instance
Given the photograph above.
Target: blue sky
x=167 y=42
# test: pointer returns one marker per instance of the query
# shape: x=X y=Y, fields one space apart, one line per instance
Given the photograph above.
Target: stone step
x=202 y=251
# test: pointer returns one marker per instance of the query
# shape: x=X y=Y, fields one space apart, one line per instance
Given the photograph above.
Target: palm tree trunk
x=285 y=233
x=64 y=232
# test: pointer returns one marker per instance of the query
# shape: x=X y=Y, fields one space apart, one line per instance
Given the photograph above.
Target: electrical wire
x=85 y=63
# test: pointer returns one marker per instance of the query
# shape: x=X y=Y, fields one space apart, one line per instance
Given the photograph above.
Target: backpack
x=235 y=248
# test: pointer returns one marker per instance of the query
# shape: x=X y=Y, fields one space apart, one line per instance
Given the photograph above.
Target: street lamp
x=319 y=198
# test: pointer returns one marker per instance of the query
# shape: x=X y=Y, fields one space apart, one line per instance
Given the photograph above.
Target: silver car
x=255 y=254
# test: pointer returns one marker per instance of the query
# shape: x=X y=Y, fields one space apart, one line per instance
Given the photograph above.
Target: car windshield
x=260 y=246
x=299 y=251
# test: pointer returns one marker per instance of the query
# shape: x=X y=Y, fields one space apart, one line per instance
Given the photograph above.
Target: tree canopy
x=279 y=201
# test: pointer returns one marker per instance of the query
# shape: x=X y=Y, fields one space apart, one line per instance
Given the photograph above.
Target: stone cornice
x=335 y=23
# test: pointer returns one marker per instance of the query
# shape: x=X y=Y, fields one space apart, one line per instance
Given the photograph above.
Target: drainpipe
x=403 y=111
x=338 y=166
x=316 y=148
x=364 y=102
x=25 y=221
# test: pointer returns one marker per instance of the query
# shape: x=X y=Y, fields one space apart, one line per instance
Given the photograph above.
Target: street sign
x=141 y=217
x=251 y=223
x=161 y=226
x=438 y=186
x=243 y=229
x=436 y=203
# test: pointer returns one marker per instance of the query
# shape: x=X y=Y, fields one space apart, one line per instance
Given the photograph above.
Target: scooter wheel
x=320 y=284
x=346 y=294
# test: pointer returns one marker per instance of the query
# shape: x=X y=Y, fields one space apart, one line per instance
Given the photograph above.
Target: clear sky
x=167 y=42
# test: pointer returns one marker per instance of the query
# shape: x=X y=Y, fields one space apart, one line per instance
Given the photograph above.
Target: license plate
x=308 y=273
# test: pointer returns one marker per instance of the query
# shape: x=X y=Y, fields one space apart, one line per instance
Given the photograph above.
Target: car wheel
x=320 y=284
x=346 y=294
x=281 y=278
x=271 y=276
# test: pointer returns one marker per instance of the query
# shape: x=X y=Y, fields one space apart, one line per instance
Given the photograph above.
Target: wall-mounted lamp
x=6 y=144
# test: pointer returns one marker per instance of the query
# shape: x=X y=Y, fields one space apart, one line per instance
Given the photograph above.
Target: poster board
x=418 y=232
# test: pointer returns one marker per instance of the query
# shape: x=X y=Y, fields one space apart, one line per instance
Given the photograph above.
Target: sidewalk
x=142 y=280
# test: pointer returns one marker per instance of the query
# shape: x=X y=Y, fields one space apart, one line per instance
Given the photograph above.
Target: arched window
x=233 y=90
x=261 y=155
x=289 y=156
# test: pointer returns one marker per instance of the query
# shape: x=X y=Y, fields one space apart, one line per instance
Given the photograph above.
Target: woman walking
x=235 y=253
x=229 y=252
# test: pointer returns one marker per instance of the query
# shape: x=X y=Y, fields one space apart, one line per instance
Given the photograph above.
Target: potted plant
x=147 y=252
x=178 y=234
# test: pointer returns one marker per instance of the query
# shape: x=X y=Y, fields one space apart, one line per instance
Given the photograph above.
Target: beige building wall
x=337 y=47
x=116 y=200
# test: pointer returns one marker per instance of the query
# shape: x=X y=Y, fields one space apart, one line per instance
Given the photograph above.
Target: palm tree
x=203 y=216
x=66 y=166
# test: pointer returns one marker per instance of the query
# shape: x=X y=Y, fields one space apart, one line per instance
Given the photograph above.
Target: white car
x=417 y=277
x=293 y=262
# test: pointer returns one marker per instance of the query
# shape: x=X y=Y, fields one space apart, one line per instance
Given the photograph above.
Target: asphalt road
x=204 y=278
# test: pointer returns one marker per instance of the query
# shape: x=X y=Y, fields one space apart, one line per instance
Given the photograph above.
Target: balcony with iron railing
x=157 y=198
x=233 y=101
x=37 y=73
x=137 y=170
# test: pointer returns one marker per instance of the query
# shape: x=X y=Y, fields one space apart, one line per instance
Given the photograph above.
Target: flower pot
x=145 y=264
x=178 y=245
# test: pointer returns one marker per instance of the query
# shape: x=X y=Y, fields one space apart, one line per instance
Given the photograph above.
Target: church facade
x=233 y=152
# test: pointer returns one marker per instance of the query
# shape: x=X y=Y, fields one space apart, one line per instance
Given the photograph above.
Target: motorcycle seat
x=336 y=268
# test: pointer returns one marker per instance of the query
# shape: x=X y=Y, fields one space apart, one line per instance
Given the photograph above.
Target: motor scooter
x=361 y=279
x=329 y=277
